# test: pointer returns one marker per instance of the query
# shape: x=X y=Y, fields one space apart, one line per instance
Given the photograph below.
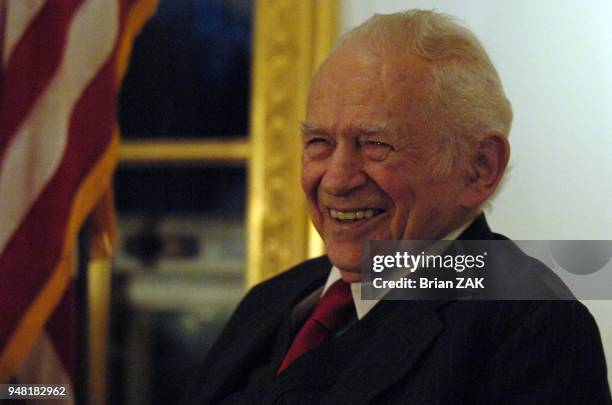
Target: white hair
x=467 y=97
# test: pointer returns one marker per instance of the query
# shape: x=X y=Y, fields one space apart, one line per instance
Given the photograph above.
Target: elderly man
x=405 y=139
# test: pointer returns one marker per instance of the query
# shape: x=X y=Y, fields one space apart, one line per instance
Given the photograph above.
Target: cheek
x=396 y=186
x=311 y=176
x=404 y=204
x=448 y=193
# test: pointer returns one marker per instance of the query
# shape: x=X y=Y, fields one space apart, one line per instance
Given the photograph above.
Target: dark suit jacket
x=409 y=352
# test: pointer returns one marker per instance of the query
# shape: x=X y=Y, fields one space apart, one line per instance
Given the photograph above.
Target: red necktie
x=331 y=313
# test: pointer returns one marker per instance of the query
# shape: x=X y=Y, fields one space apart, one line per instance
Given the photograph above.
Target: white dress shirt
x=362 y=307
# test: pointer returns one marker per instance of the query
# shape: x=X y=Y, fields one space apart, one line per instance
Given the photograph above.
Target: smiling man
x=378 y=162
x=405 y=139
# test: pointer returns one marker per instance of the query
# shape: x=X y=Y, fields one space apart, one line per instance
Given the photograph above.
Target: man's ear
x=485 y=169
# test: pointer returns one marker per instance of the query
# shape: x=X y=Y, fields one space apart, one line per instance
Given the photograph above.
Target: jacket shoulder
x=289 y=283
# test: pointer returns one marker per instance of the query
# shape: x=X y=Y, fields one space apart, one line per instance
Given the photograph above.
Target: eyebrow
x=307 y=128
x=362 y=130
x=370 y=129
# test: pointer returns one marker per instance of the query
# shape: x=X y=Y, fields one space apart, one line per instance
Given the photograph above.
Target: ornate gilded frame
x=291 y=38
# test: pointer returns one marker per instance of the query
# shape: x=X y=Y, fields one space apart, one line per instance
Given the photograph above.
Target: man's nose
x=345 y=172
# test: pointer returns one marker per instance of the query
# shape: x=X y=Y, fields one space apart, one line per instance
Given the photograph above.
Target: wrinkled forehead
x=361 y=77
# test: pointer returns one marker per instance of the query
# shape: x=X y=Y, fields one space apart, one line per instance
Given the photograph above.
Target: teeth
x=354 y=215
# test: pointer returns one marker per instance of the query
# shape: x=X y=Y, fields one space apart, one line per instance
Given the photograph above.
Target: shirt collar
x=362 y=307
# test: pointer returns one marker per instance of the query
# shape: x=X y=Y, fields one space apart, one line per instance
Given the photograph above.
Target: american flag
x=62 y=63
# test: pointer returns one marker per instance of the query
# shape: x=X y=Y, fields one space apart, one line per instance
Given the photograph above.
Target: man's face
x=367 y=146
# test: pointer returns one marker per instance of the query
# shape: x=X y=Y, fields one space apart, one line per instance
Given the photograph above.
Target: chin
x=347 y=261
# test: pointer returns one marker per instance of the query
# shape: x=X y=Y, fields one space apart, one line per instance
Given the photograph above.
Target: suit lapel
x=371 y=356
x=398 y=344
x=268 y=332
x=227 y=370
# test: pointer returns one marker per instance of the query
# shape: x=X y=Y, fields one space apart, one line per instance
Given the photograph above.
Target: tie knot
x=334 y=308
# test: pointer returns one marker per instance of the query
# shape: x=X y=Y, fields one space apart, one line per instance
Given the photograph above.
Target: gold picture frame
x=291 y=39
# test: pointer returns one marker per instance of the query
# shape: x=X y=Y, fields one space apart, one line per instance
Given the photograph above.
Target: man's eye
x=314 y=141
x=317 y=148
x=376 y=150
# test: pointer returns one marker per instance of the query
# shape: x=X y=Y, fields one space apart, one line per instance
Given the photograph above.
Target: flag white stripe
x=35 y=153
x=43 y=365
x=19 y=13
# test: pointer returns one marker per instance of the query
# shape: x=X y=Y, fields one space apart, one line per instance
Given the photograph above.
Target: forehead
x=360 y=82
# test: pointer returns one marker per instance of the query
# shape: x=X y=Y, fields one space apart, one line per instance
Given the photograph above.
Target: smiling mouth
x=352 y=216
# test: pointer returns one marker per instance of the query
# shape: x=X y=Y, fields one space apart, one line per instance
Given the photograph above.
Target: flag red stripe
x=25 y=263
x=31 y=66
x=62 y=325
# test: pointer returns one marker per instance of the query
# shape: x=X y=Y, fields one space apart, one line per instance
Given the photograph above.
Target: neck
x=350 y=276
